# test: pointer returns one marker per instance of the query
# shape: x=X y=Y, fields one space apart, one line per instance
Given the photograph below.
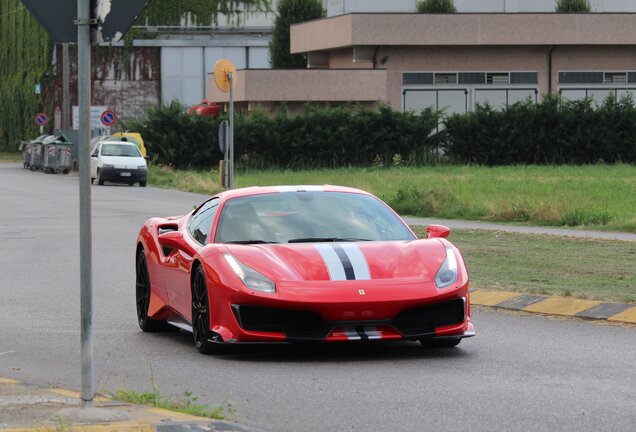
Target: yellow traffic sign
x=222 y=70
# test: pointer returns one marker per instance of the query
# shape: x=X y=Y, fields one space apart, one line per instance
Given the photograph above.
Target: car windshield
x=307 y=217
x=125 y=150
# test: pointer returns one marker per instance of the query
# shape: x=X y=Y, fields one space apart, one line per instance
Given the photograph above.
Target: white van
x=118 y=162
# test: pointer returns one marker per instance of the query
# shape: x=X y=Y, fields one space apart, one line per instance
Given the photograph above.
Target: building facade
x=454 y=61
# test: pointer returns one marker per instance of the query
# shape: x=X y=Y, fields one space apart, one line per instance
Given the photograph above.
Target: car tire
x=92 y=180
x=142 y=184
x=201 y=315
x=100 y=181
x=440 y=343
x=146 y=323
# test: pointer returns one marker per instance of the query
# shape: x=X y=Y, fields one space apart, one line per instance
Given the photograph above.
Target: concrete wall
x=341 y=7
x=332 y=85
x=128 y=95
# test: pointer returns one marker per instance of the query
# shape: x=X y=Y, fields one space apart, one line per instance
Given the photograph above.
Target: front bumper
x=123 y=175
x=447 y=319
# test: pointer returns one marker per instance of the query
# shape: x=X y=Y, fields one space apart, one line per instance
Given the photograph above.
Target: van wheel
x=100 y=181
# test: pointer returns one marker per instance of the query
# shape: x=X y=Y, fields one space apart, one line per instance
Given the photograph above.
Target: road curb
x=553 y=305
x=42 y=409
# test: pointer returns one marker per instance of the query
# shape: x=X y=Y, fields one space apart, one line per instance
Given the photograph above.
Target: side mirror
x=437 y=231
x=175 y=240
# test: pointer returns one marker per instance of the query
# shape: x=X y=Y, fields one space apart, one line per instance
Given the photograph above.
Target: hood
x=397 y=260
x=123 y=162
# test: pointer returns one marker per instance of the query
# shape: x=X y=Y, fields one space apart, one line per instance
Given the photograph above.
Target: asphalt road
x=520 y=373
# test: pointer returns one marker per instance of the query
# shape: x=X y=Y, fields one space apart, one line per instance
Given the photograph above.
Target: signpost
x=225 y=79
x=223 y=138
x=72 y=21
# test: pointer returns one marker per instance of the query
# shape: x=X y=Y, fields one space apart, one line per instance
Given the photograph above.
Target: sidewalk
x=462 y=224
x=26 y=408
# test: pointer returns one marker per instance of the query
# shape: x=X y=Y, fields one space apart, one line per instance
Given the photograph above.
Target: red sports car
x=299 y=263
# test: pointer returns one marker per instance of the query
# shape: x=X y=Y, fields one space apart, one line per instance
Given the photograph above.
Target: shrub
x=291 y=12
x=573 y=6
x=436 y=6
x=332 y=137
x=554 y=131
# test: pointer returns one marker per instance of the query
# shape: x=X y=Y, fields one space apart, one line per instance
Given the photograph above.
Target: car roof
x=262 y=190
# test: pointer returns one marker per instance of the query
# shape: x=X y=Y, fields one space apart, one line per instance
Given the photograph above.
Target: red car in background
x=299 y=263
x=206 y=109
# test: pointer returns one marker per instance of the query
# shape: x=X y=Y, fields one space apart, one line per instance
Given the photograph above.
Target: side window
x=96 y=151
x=201 y=222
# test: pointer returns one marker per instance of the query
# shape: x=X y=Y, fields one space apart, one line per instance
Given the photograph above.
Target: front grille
x=305 y=325
x=293 y=323
x=423 y=320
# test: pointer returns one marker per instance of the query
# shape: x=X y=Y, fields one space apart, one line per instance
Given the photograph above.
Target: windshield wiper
x=326 y=239
x=251 y=242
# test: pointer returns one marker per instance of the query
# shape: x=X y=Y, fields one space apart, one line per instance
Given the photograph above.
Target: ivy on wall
x=25 y=59
x=198 y=12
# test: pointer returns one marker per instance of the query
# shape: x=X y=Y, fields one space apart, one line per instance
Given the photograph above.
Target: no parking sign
x=108 y=118
x=41 y=119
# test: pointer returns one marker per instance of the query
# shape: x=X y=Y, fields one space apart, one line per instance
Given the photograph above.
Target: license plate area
x=125 y=174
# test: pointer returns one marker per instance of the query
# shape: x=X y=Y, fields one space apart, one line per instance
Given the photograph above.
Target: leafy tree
x=291 y=12
x=436 y=6
x=573 y=6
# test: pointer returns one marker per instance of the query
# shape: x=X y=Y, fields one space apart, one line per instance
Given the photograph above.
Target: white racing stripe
x=372 y=332
x=336 y=266
x=333 y=263
x=358 y=261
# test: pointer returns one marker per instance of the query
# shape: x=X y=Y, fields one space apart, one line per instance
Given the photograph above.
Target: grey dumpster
x=36 y=155
x=25 y=148
x=56 y=156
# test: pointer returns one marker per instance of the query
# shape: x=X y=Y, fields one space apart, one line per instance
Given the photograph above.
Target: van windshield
x=125 y=150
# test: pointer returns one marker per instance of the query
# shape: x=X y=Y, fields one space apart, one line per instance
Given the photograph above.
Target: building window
x=581 y=78
x=445 y=78
x=524 y=78
x=615 y=78
x=497 y=78
x=410 y=78
x=472 y=78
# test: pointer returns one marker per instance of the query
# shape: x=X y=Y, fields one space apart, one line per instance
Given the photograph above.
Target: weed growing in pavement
x=187 y=403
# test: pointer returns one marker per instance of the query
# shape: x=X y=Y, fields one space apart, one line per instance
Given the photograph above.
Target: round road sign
x=108 y=118
x=222 y=70
x=42 y=119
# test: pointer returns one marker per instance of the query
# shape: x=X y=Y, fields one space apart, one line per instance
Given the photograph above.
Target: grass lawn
x=546 y=264
x=10 y=157
x=591 y=196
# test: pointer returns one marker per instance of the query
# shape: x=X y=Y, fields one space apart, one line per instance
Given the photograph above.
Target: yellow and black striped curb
x=564 y=306
x=40 y=411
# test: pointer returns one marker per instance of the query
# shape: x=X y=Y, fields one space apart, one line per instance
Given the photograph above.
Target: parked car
x=117 y=162
x=206 y=108
x=299 y=264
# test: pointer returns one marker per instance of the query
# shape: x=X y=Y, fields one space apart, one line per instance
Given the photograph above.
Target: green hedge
x=554 y=131
x=344 y=136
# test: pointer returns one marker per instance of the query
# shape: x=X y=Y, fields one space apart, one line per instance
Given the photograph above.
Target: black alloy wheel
x=201 y=315
x=146 y=323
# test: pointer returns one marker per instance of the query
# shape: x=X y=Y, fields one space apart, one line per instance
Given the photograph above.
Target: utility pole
x=66 y=91
x=86 y=246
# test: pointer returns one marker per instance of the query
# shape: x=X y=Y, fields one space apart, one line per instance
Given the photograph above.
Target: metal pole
x=66 y=91
x=86 y=295
x=231 y=132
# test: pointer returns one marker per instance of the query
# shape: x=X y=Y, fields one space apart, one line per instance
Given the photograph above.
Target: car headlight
x=250 y=277
x=447 y=273
x=108 y=166
x=142 y=167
